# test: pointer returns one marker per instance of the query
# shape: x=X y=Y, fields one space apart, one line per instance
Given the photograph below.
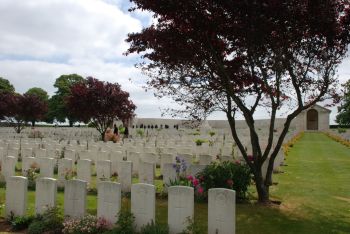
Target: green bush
x=21 y=222
x=200 y=141
x=226 y=175
x=155 y=228
x=51 y=220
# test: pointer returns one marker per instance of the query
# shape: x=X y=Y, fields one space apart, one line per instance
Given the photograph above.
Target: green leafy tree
x=42 y=94
x=343 y=116
x=5 y=85
x=57 y=107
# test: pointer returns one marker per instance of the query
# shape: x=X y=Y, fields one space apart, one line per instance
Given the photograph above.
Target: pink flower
x=200 y=190
x=190 y=177
x=238 y=162
x=250 y=157
x=195 y=182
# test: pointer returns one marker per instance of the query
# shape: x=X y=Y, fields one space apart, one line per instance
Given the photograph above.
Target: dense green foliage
x=5 y=85
x=343 y=116
x=226 y=175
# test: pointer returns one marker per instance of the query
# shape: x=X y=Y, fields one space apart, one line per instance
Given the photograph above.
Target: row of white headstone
x=221 y=202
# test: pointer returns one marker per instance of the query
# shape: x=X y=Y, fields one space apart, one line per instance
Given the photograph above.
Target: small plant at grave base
x=211 y=133
x=196 y=133
x=50 y=221
x=88 y=224
x=200 y=141
x=180 y=168
x=140 y=132
x=192 y=227
x=124 y=225
x=338 y=139
x=230 y=175
x=155 y=228
x=20 y=222
x=69 y=174
x=32 y=174
x=114 y=177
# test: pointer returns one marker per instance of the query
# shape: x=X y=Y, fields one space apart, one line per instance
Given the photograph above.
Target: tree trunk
x=33 y=123
x=70 y=123
x=103 y=136
x=262 y=189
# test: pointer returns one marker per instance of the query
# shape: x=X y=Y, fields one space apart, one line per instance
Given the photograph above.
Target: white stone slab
x=108 y=200
x=221 y=211
x=146 y=172
x=84 y=170
x=103 y=170
x=75 y=198
x=16 y=196
x=180 y=207
x=47 y=166
x=125 y=175
x=45 y=194
x=143 y=203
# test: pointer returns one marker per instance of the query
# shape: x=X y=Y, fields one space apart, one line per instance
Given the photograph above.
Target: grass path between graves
x=314 y=191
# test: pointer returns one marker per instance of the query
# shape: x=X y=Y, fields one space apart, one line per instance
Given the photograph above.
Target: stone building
x=316 y=118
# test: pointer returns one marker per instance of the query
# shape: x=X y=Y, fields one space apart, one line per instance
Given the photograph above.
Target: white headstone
x=47 y=166
x=180 y=207
x=65 y=167
x=16 y=196
x=71 y=154
x=40 y=153
x=103 y=170
x=134 y=157
x=125 y=175
x=146 y=172
x=165 y=158
x=205 y=159
x=195 y=169
x=108 y=200
x=8 y=166
x=221 y=211
x=143 y=203
x=84 y=170
x=169 y=174
x=27 y=163
x=75 y=198
x=45 y=194
x=26 y=152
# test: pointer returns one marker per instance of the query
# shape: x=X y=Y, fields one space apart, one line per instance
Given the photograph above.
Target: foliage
x=343 y=116
x=19 y=109
x=5 y=85
x=290 y=144
x=21 y=222
x=39 y=92
x=32 y=174
x=341 y=130
x=211 y=133
x=125 y=223
x=200 y=141
x=57 y=106
x=192 y=227
x=99 y=102
x=154 y=228
x=88 y=224
x=140 y=132
x=228 y=175
x=338 y=139
x=274 y=53
x=51 y=220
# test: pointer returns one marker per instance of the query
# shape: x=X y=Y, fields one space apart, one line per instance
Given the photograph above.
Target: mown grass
x=314 y=190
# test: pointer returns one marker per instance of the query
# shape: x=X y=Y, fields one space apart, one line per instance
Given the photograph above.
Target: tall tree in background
x=5 y=85
x=57 y=107
x=19 y=109
x=99 y=102
x=343 y=116
x=236 y=56
x=44 y=97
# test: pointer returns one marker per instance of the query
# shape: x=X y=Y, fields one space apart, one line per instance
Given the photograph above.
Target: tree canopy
x=343 y=116
x=99 y=102
x=237 y=56
x=42 y=94
x=5 y=85
x=57 y=107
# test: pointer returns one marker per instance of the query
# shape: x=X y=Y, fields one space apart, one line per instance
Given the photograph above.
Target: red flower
x=229 y=182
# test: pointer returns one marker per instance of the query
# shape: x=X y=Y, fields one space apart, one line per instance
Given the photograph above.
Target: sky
x=43 y=39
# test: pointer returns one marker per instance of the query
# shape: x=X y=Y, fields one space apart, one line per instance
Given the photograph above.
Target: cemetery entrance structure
x=312 y=120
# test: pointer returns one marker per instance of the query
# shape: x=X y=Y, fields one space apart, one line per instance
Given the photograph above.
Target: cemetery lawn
x=314 y=190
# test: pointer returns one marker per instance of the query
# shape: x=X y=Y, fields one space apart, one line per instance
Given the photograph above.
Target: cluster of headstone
x=221 y=203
